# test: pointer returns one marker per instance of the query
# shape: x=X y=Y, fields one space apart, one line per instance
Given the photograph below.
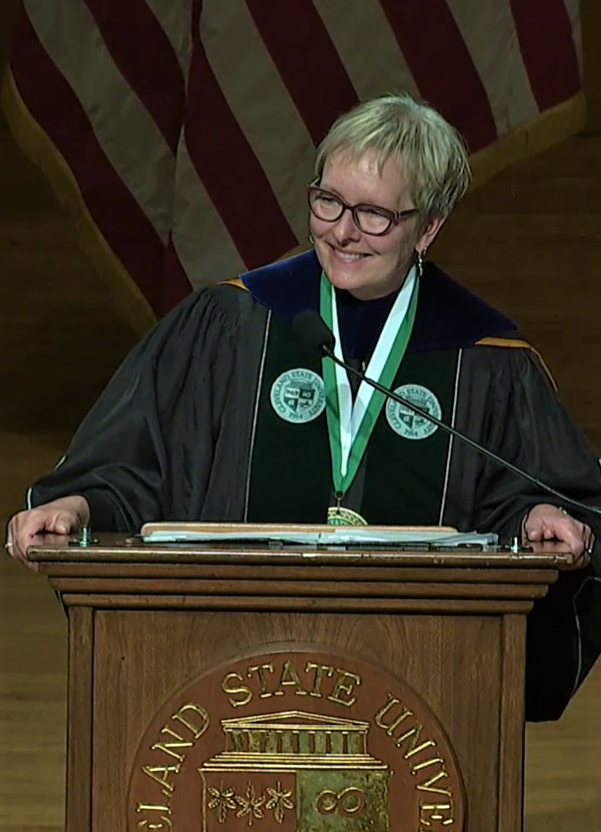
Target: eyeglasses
x=370 y=219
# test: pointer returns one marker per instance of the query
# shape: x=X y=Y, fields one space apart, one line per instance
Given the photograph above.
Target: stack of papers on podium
x=313 y=536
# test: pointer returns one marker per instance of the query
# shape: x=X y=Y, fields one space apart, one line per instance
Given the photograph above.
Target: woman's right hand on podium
x=60 y=517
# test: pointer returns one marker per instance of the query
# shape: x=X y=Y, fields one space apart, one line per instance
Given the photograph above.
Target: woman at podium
x=224 y=414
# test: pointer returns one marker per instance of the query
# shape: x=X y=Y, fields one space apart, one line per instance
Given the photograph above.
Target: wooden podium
x=223 y=689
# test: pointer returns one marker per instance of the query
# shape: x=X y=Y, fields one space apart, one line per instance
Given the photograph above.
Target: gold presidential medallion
x=340 y=516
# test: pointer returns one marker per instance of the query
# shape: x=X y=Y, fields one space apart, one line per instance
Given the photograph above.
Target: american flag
x=183 y=131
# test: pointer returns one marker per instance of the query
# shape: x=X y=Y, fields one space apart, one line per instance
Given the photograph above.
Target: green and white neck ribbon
x=350 y=424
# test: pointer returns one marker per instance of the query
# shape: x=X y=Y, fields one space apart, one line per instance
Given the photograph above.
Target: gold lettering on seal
x=290 y=681
x=164 y=824
x=319 y=669
x=411 y=737
x=289 y=678
x=389 y=720
x=432 y=813
x=152 y=807
x=196 y=730
x=390 y=727
x=428 y=785
x=225 y=687
x=168 y=747
x=344 y=684
x=260 y=671
x=160 y=774
x=196 y=720
x=161 y=824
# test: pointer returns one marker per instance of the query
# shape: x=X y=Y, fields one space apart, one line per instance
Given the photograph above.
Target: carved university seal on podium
x=299 y=742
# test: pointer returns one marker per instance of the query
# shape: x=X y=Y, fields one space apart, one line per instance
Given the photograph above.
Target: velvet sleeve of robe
x=510 y=405
x=177 y=411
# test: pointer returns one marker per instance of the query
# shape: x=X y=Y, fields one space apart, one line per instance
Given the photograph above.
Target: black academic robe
x=182 y=432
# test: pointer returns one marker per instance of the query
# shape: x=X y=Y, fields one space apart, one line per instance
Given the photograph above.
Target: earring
x=420 y=256
x=310 y=239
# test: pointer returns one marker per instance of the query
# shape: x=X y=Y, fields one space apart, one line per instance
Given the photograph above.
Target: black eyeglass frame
x=394 y=217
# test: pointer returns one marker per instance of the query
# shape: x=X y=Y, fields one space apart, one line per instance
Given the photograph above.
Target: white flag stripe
x=201 y=240
x=121 y=123
x=261 y=105
x=488 y=31
x=175 y=18
x=377 y=66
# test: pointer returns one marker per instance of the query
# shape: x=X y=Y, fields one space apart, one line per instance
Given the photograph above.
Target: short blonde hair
x=396 y=126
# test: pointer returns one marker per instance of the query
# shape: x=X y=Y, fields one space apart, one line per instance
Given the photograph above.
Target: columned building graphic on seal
x=295 y=771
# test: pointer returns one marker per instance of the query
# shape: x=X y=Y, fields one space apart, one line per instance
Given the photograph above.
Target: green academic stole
x=404 y=467
x=351 y=423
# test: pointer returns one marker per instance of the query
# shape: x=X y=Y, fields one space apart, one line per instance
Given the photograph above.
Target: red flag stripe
x=441 y=65
x=114 y=210
x=229 y=170
x=307 y=61
x=552 y=80
x=174 y=19
x=153 y=72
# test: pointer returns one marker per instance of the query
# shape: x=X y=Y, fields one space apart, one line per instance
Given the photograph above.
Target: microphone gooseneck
x=313 y=332
x=316 y=335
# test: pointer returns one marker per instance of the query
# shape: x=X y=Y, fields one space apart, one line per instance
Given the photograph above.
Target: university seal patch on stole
x=298 y=396
x=404 y=421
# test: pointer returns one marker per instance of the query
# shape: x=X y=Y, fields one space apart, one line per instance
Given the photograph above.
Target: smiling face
x=368 y=266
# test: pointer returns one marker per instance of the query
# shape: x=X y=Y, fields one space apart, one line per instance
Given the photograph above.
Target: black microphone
x=314 y=332
x=316 y=335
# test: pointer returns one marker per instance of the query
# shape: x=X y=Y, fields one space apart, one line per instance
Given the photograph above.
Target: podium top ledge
x=115 y=548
